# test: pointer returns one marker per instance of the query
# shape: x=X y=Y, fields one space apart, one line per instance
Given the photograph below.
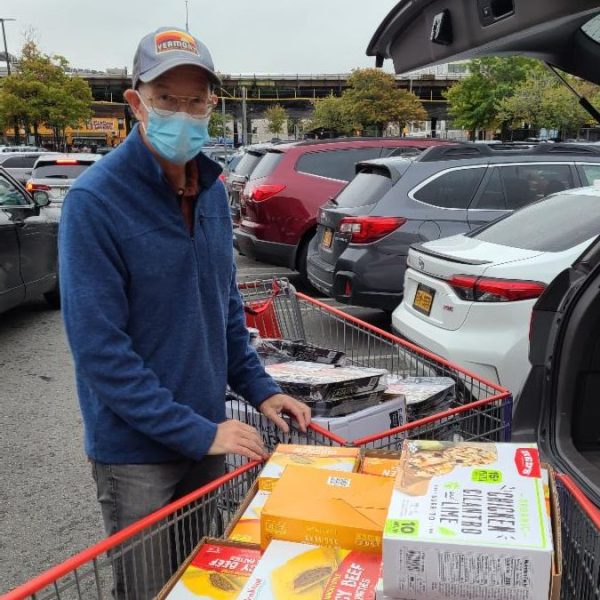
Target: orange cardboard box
x=246 y=525
x=327 y=508
x=335 y=458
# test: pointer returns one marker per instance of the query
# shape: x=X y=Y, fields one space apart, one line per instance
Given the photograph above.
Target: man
x=151 y=307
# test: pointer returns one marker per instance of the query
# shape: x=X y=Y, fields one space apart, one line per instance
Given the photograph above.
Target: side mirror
x=41 y=199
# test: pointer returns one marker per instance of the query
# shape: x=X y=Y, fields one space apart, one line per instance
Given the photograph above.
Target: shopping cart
x=480 y=411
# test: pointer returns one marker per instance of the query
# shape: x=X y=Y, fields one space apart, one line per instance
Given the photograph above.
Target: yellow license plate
x=423 y=299
x=327 y=238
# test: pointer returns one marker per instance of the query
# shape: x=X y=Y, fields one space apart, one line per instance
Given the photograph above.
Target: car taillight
x=67 y=161
x=222 y=177
x=483 y=289
x=36 y=187
x=364 y=230
x=260 y=193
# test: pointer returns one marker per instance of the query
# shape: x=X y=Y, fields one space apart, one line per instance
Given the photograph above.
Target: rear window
x=48 y=170
x=19 y=162
x=552 y=225
x=267 y=165
x=335 y=164
x=366 y=188
x=248 y=163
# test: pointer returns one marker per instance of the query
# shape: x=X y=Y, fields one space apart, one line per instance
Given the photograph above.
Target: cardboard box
x=289 y=571
x=382 y=463
x=333 y=458
x=552 y=493
x=245 y=524
x=217 y=569
x=327 y=508
x=468 y=520
x=369 y=421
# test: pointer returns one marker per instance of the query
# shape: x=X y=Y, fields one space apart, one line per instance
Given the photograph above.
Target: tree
x=276 y=118
x=473 y=102
x=43 y=92
x=215 y=125
x=329 y=113
x=542 y=101
x=374 y=100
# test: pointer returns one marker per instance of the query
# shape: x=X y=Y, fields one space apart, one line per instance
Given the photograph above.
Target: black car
x=359 y=252
x=28 y=246
x=559 y=404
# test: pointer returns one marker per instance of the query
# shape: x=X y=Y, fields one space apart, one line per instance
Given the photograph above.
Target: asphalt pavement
x=48 y=508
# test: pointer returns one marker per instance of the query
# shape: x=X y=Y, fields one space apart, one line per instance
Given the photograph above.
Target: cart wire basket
x=478 y=411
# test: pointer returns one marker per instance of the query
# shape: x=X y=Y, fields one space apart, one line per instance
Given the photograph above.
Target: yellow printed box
x=246 y=524
x=216 y=570
x=384 y=463
x=334 y=458
x=327 y=508
x=291 y=571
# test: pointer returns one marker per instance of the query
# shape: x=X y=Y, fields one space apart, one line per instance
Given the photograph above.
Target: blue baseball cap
x=167 y=48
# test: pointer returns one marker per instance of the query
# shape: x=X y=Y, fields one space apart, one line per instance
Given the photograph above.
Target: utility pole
x=5 y=46
x=187 y=17
x=16 y=128
x=224 y=127
x=244 y=117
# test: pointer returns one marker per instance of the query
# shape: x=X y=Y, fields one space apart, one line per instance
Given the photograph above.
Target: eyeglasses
x=166 y=105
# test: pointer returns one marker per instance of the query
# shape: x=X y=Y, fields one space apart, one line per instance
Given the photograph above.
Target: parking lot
x=47 y=501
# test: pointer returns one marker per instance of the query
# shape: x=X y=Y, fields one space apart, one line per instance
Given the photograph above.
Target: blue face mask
x=177 y=138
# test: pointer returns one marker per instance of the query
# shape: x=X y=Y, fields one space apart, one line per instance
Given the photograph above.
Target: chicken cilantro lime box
x=468 y=520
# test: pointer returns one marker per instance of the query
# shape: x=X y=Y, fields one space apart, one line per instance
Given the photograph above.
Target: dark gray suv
x=359 y=253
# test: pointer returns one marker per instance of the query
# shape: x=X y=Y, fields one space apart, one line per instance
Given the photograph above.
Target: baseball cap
x=170 y=47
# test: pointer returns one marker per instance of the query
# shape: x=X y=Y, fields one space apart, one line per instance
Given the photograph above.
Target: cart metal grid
x=480 y=410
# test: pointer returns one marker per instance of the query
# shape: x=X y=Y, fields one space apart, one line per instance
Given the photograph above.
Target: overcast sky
x=244 y=36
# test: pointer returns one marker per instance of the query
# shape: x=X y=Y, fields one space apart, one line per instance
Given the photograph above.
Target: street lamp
x=5 y=46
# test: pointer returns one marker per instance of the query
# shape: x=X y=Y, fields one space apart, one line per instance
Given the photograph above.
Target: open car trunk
x=560 y=403
x=564 y=33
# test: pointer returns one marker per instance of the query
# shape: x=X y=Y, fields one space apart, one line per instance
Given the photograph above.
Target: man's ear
x=132 y=98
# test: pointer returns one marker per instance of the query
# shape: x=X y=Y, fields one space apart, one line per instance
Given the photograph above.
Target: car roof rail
x=567 y=148
x=455 y=152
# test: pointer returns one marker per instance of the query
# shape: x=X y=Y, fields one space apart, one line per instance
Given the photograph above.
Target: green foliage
x=371 y=102
x=276 y=117
x=542 y=101
x=374 y=100
x=215 y=125
x=329 y=113
x=473 y=102
x=42 y=92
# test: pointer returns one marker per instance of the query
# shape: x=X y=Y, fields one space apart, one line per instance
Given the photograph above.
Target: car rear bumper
x=366 y=277
x=320 y=274
x=273 y=253
x=493 y=346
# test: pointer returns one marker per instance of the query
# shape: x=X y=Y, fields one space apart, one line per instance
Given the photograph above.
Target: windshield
x=552 y=225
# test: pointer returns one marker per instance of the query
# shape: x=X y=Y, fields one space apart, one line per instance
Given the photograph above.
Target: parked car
x=468 y=298
x=56 y=173
x=558 y=406
x=279 y=204
x=20 y=164
x=28 y=246
x=364 y=234
x=5 y=149
x=237 y=177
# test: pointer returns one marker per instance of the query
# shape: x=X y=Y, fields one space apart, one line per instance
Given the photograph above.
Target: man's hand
x=281 y=403
x=235 y=437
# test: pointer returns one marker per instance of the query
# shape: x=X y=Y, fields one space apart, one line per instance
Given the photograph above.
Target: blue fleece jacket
x=153 y=315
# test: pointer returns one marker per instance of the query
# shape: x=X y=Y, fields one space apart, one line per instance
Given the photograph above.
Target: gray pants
x=127 y=493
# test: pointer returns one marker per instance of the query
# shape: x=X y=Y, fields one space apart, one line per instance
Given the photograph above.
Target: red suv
x=279 y=204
